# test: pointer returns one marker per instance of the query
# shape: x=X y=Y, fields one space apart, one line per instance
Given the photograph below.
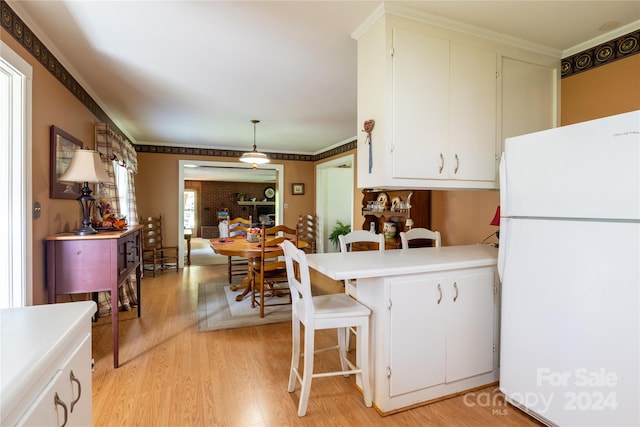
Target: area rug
x=202 y=254
x=218 y=309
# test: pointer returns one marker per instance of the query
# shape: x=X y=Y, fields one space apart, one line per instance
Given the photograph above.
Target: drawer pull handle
x=441 y=163
x=77 y=381
x=455 y=286
x=59 y=401
x=457 y=165
x=440 y=291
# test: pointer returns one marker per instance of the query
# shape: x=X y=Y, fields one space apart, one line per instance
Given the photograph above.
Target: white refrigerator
x=569 y=261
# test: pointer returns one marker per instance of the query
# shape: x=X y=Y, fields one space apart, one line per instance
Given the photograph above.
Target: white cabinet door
x=470 y=325
x=420 y=104
x=441 y=328
x=528 y=97
x=473 y=115
x=444 y=109
x=417 y=333
x=67 y=398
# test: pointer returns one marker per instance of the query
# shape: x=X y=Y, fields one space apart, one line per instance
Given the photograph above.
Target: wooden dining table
x=239 y=246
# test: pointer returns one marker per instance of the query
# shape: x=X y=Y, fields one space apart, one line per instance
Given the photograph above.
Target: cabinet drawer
x=72 y=386
x=128 y=254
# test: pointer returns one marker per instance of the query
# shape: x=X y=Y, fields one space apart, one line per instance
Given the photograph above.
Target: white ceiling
x=194 y=73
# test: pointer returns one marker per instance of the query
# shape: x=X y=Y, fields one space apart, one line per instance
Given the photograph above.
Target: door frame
x=323 y=170
x=277 y=168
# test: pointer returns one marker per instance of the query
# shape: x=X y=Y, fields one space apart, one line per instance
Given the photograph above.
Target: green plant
x=340 y=229
x=241 y=197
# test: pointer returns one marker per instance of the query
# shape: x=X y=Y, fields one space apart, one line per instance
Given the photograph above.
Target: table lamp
x=85 y=167
x=496 y=221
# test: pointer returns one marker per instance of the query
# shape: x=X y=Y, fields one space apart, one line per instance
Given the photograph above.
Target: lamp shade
x=85 y=166
x=496 y=218
x=254 y=157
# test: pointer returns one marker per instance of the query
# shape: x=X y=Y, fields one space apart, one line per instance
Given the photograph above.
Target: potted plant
x=339 y=229
x=241 y=197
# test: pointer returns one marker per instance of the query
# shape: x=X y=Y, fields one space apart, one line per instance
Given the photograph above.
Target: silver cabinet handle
x=75 y=379
x=457 y=164
x=441 y=163
x=58 y=401
x=455 y=286
x=440 y=291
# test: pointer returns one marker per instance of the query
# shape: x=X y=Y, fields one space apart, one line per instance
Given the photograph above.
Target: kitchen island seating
x=419 y=235
x=332 y=311
x=347 y=245
x=237 y=266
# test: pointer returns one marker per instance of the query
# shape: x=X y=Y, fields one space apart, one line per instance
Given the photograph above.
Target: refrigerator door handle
x=503 y=184
x=504 y=227
x=505 y=224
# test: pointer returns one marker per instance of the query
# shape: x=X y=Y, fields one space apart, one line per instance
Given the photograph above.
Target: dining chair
x=156 y=256
x=268 y=271
x=237 y=266
x=419 y=237
x=332 y=311
x=307 y=231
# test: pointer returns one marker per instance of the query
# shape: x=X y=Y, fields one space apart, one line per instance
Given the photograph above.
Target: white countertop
x=396 y=262
x=28 y=336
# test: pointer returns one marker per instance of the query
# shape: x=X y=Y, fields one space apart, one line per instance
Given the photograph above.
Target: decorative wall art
x=63 y=146
x=297 y=188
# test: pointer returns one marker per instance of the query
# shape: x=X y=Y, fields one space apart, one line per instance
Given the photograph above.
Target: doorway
x=231 y=172
x=334 y=198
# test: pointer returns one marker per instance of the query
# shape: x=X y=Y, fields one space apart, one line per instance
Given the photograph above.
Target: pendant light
x=253 y=156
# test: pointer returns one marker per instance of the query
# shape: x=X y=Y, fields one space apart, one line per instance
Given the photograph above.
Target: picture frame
x=63 y=145
x=297 y=188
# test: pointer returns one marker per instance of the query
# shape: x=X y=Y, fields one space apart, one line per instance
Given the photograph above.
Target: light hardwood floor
x=172 y=375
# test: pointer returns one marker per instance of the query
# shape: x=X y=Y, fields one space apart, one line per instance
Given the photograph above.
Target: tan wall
x=52 y=104
x=157 y=188
x=603 y=91
x=463 y=217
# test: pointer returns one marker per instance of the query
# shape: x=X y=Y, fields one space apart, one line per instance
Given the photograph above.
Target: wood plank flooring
x=172 y=375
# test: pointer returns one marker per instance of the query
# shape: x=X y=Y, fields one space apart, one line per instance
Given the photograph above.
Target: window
x=190 y=209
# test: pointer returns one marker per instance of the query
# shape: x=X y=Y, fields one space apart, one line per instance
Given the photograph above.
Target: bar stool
x=333 y=311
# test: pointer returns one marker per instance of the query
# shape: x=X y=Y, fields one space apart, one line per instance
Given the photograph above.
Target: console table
x=94 y=263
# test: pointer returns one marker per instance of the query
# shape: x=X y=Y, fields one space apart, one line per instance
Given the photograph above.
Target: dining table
x=241 y=247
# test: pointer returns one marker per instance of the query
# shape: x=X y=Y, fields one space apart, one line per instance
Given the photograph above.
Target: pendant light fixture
x=253 y=156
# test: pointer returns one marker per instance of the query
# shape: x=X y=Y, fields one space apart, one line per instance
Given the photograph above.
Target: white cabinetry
x=46 y=365
x=435 y=322
x=437 y=97
x=443 y=125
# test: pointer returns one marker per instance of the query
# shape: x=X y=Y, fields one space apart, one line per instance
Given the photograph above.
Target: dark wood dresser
x=99 y=262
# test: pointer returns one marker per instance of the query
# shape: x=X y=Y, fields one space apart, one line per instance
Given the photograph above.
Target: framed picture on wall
x=297 y=188
x=63 y=146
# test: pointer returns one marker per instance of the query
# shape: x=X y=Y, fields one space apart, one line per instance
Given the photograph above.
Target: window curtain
x=114 y=149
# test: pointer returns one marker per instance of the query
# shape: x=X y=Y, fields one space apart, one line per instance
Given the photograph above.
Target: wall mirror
x=63 y=146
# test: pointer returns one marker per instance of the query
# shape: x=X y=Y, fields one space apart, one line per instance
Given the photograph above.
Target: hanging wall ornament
x=368 y=128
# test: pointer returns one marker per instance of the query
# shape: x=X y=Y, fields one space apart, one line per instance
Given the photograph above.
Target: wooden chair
x=307 y=231
x=420 y=237
x=267 y=270
x=156 y=256
x=332 y=311
x=237 y=266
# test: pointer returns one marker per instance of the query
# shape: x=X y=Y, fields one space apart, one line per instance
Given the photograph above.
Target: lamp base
x=85 y=231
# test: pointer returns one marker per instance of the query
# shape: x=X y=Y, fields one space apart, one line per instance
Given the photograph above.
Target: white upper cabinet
x=438 y=97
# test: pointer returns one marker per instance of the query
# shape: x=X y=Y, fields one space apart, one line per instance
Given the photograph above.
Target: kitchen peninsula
x=435 y=319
